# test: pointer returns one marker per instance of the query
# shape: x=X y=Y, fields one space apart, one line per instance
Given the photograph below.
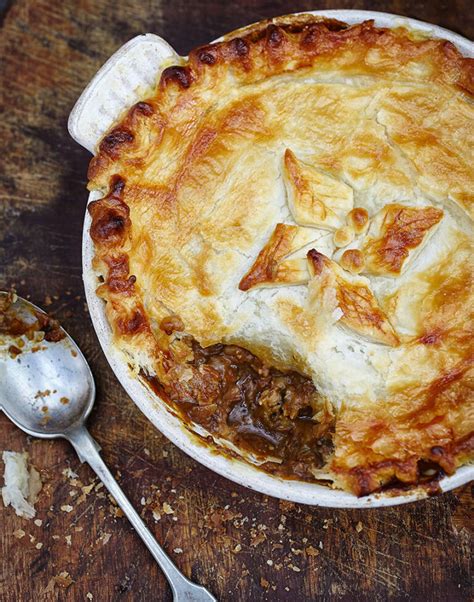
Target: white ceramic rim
x=156 y=411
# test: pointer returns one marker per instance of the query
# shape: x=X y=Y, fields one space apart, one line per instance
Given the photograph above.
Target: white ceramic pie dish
x=119 y=84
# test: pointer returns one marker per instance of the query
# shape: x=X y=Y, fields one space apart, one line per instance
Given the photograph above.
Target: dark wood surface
x=240 y=544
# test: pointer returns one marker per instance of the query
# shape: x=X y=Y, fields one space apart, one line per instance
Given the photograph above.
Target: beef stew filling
x=277 y=416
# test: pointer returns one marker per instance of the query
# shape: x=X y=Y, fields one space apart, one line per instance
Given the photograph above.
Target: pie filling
x=297 y=200
x=276 y=416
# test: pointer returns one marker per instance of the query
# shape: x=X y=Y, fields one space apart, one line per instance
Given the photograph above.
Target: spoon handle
x=183 y=589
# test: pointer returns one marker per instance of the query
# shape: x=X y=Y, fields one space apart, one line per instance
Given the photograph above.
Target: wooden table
x=241 y=545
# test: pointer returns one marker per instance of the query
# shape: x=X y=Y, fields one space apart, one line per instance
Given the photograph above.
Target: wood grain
x=240 y=544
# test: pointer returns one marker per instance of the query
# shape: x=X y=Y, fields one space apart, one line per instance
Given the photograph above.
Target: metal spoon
x=48 y=391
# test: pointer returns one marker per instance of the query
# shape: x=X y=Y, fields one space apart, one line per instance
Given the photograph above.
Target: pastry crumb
x=69 y=473
x=63 y=580
x=105 y=538
x=86 y=489
x=22 y=486
x=311 y=551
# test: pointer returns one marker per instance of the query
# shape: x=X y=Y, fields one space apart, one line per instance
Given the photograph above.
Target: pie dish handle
x=119 y=83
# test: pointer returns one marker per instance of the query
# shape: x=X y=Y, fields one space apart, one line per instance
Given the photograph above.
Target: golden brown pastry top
x=304 y=189
x=398 y=231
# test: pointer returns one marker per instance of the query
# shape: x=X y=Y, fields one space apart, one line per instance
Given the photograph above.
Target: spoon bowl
x=47 y=389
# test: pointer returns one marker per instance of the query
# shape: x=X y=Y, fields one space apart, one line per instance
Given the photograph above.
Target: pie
x=284 y=245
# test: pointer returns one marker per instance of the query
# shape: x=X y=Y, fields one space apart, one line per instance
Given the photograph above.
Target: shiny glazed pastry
x=284 y=245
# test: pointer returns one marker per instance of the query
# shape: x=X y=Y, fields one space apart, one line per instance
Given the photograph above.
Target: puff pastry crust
x=281 y=260
x=358 y=307
x=397 y=233
x=315 y=198
x=237 y=179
